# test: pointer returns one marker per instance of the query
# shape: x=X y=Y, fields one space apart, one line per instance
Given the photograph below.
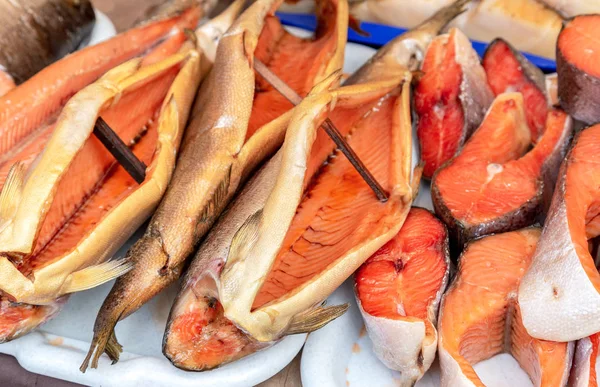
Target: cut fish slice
x=578 y=67
x=451 y=99
x=559 y=296
x=74 y=207
x=398 y=291
x=509 y=71
x=583 y=372
x=494 y=184
x=238 y=121
x=480 y=316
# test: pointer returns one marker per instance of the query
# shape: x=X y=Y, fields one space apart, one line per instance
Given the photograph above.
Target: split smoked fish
x=75 y=206
x=398 y=291
x=239 y=120
x=480 y=316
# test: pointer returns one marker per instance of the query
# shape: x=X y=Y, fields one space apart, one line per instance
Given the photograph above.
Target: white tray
x=340 y=354
x=58 y=347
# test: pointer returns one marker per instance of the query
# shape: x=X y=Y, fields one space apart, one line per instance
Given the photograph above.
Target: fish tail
x=151 y=273
x=444 y=16
x=103 y=342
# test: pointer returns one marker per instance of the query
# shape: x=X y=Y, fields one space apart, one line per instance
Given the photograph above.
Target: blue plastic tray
x=380 y=34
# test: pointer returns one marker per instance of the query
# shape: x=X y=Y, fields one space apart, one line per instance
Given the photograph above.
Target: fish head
x=198 y=336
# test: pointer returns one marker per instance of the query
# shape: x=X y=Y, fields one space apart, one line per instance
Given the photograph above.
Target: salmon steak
x=509 y=71
x=62 y=218
x=293 y=249
x=199 y=335
x=398 y=291
x=451 y=98
x=496 y=183
x=480 y=315
x=578 y=67
x=583 y=371
x=238 y=121
x=560 y=294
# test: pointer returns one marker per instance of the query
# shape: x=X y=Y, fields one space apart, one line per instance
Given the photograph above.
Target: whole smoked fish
x=199 y=336
x=480 y=315
x=238 y=121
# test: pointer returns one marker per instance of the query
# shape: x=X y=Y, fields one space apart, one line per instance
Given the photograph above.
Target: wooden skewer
x=289 y=93
x=121 y=152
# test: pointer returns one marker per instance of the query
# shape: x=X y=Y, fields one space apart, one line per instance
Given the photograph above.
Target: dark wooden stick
x=121 y=152
x=327 y=125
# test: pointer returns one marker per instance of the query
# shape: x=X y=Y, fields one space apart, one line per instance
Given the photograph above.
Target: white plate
x=58 y=347
x=340 y=354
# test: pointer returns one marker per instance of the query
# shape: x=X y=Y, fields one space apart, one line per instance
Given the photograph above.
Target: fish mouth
x=199 y=337
x=18 y=319
x=75 y=195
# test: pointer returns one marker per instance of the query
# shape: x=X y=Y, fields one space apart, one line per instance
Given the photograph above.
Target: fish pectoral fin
x=315 y=318
x=11 y=194
x=96 y=275
x=244 y=238
x=329 y=82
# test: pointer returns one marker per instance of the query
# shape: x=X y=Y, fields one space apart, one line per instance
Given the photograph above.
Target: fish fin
x=315 y=318
x=354 y=24
x=96 y=275
x=111 y=347
x=329 y=82
x=439 y=20
x=11 y=193
x=244 y=238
